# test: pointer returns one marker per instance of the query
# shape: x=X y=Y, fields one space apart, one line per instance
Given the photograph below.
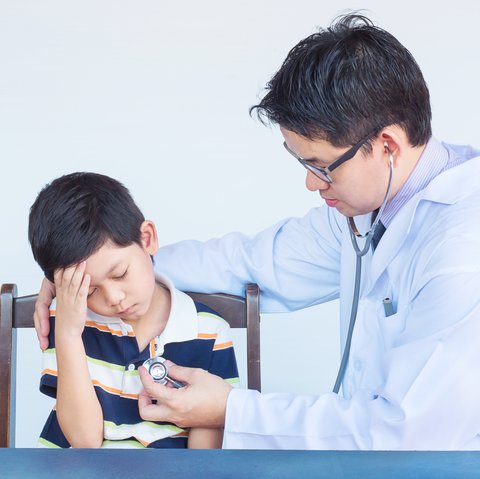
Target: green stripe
x=46 y=443
x=153 y=425
x=130 y=442
x=233 y=380
x=105 y=364
x=209 y=315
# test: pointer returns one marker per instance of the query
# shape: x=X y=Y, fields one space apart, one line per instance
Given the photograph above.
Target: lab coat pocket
x=391 y=327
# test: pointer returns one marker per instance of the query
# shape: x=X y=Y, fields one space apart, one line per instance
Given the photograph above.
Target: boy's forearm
x=78 y=410
x=203 y=438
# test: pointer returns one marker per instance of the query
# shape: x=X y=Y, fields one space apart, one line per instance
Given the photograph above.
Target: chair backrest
x=17 y=312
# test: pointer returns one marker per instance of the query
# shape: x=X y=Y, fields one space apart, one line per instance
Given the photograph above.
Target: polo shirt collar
x=182 y=323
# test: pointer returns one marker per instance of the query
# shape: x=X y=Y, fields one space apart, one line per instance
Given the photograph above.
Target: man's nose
x=315 y=183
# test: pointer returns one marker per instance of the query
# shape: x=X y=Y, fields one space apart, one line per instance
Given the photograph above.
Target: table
x=186 y=464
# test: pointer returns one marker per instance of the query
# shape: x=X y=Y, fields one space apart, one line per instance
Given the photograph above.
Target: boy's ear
x=149 y=237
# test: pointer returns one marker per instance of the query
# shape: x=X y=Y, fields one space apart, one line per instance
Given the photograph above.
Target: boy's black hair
x=77 y=214
x=348 y=81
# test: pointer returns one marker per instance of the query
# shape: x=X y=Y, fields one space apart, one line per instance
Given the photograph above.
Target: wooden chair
x=17 y=312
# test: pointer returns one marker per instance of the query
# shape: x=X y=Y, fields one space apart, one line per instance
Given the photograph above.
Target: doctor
x=397 y=240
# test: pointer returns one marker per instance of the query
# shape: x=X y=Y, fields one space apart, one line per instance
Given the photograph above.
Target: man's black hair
x=77 y=214
x=348 y=81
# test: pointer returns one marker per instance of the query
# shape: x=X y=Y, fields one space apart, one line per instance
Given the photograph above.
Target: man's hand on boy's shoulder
x=41 y=314
x=71 y=286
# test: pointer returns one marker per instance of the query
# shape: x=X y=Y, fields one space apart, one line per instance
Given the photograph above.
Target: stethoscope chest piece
x=157 y=369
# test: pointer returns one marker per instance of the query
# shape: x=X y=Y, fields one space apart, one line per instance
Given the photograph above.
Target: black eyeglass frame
x=324 y=173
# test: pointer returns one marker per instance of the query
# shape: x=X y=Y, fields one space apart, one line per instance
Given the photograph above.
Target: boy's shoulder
x=205 y=317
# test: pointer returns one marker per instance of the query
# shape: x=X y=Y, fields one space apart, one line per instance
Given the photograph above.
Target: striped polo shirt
x=194 y=336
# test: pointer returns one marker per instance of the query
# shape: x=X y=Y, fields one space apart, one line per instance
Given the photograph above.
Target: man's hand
x=42 y=312
x=72 y=286
x=202 y=402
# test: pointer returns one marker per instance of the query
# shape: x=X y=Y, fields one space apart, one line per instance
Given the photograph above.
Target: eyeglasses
x=324 y=173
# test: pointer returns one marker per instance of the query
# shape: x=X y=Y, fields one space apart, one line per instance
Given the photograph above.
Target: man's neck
x=405 y=164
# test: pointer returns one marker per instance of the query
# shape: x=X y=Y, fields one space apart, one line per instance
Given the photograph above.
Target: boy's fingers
x=67 y=274
x=84 y=287
x=75 y=275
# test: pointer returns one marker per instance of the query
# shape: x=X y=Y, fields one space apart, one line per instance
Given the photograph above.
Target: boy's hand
x=42 y=312
x=72 y=286
x=201 y=403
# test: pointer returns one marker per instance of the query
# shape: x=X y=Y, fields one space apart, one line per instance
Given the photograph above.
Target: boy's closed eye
x=121 y=276
x=115 y=278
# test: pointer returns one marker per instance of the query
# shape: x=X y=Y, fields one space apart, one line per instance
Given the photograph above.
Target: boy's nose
x=114 y=297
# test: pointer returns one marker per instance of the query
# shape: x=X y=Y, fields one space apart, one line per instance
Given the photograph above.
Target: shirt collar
x=182 y=323
x=433 y=160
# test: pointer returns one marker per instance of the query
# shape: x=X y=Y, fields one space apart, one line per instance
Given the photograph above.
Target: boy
x=112 y=314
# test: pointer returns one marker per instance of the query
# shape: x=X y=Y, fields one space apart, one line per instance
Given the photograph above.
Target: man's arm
x=42 y=312
x=78 y=410
x=295 y=262
x=425 y=388
x=203 y=438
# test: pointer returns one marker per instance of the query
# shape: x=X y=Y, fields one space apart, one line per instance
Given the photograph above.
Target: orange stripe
x=102 y=327
x=95 y=382
x=207 y=335
x=223 y=345
x=113 y=391
x=152 y=348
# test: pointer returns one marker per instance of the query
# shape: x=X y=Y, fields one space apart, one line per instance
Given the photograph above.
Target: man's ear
x=394 y=138
x=149 y=237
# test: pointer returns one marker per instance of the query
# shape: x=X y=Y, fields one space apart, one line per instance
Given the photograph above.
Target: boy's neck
x=153 y=322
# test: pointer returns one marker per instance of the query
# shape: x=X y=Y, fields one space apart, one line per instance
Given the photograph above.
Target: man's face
x=358 y=185
x=122 y=281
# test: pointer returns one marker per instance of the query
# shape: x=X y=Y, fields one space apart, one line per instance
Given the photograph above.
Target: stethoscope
x=354 y=234
x=158 y=370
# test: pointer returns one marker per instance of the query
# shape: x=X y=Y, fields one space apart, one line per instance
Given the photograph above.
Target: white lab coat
x=413 y=379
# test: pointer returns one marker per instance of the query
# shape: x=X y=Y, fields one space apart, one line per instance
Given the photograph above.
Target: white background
x=156 y=94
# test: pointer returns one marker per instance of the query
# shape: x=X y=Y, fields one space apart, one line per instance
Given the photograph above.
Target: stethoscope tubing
x=360 y=252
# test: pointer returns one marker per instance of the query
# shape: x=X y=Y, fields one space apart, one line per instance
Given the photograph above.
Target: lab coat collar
x=449 y=187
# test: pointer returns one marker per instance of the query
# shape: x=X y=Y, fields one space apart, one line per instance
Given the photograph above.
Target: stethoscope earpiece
x=389 y=153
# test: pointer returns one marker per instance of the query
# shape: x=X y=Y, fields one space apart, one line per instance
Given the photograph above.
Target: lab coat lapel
x=439 y=190
x=392 y=240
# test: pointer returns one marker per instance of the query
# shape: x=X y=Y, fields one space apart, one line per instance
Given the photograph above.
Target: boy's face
x=122 y=280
